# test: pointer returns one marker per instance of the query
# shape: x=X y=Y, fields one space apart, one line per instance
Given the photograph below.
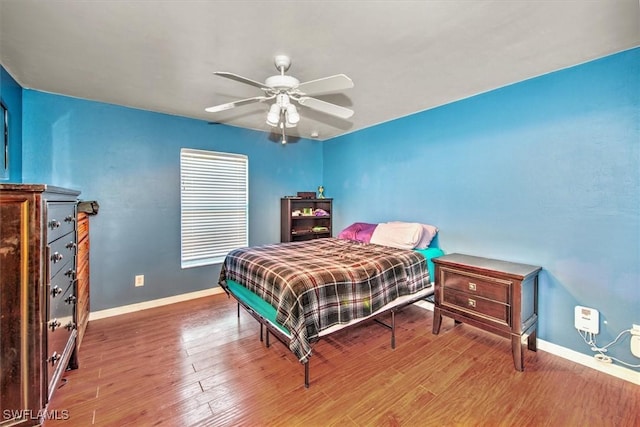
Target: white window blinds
x=214 y=200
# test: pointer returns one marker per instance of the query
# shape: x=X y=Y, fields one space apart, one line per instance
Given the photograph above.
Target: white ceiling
x=403 y=56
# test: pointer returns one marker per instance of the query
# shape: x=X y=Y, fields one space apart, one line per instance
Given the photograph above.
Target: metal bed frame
x=282 y=337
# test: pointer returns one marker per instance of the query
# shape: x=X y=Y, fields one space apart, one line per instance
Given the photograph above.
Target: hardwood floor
x=196 y=364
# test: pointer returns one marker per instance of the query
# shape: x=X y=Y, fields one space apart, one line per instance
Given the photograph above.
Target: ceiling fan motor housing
x=282 y=82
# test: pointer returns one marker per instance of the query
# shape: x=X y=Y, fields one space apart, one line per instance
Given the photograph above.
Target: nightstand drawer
x=487 y=287
x=477 y=306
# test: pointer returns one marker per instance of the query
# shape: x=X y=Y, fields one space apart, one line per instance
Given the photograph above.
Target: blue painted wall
x=128 y=160
x=545 y=172
x=11 y=96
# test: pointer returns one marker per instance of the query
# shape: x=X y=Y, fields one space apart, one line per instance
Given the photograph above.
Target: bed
x=302 y=291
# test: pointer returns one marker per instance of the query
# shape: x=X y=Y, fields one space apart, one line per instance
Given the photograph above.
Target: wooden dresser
x=37 y=296
x=497 y=296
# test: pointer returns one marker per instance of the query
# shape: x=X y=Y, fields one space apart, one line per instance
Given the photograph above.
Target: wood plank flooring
x=197 y=364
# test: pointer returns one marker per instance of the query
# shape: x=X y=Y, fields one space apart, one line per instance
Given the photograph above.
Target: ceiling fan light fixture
x=273 y=118
x=292 y=115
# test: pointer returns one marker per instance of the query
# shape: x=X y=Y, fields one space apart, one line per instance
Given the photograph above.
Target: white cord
x=590 y=339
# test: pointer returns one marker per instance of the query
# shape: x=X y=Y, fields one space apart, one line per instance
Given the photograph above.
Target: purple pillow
x=359 y=231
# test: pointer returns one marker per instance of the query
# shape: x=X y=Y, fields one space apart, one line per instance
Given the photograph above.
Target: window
x=214 y=205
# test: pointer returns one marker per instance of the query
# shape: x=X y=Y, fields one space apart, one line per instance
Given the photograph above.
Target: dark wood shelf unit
x=301 y=227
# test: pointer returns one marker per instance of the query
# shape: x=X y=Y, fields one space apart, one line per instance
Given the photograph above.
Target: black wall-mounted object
x=4 y=136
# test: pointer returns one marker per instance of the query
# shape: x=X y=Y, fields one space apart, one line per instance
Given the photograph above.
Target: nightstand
x=497 y=296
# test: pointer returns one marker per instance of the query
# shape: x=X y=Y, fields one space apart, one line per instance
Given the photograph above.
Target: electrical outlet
x=139 y=280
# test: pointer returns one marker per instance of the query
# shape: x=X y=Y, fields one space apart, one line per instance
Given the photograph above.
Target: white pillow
x=401 y=235
x=428 y=233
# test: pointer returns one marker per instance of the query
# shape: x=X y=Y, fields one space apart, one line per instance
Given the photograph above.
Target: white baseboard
x=582 y=359
x=95 y=315
x=617 y=371
x=590 y=362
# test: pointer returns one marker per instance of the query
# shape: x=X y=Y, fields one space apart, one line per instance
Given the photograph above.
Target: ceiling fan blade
x=329 y=84
x=325 y=107
x=230 y=105
x=241 y=79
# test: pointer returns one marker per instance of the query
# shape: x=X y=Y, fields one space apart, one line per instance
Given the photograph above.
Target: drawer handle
x=54 y=223
x=69 y=218
x=56 y=257
x=472 y=286
x=70 y=326
x=70 y=272
x=70 y=299
x=472 y=303
x=71 y=245
x=56 y=291
x=54 y=324
x=54 y=358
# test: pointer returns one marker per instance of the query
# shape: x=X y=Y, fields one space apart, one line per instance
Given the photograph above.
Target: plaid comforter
x=319 y=283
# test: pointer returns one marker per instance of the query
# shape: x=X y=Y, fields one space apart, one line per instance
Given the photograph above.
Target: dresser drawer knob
x=70 y=218
x=472 y=303
x=54 y=324
x=54 y=358
x=71 y=245
x=56 y=257
x=70 y=326
x=57 y=290
x=472 y=286
x=70 y=299
x=54 y=223
x=70 y=272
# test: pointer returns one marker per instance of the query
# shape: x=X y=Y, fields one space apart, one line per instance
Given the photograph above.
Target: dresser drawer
x=474 y=305
x=61 y=219
x=57 y=342
x=60 y=326
x=61 y=282
x=475 y=284
x=62 y=305
x=60 y=252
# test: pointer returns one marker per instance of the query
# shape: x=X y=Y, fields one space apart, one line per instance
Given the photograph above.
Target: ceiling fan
x=286 y=91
